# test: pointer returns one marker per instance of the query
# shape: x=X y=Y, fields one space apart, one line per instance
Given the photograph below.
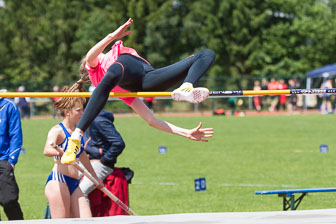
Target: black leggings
x=134 y=74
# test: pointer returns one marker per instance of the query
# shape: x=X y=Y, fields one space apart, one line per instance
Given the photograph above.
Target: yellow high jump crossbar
x=168 y=94
x=82 y=94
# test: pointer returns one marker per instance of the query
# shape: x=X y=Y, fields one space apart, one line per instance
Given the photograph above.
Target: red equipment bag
x=101 y=204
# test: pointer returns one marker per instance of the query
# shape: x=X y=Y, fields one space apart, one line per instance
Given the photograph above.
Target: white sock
x=76 y=135
x=186 y=84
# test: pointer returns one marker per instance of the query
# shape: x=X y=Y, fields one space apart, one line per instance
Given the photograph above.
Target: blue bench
x=289 y=201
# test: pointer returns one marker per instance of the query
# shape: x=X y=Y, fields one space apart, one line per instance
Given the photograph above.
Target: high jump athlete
x=62 y=187
x=123 y=70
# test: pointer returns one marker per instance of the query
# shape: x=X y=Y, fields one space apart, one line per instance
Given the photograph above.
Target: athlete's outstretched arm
x=91 y=56
x=196 y=134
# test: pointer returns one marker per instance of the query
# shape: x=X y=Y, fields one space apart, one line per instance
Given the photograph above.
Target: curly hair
x=64 y=103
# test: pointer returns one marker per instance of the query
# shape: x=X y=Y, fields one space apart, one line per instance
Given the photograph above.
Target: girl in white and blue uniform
x=61 y=190
x=72 y=183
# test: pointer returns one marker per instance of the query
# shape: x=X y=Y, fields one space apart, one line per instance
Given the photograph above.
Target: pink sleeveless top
x=105 y=61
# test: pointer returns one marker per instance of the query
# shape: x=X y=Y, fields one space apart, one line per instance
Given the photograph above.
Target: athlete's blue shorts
x=72 y=183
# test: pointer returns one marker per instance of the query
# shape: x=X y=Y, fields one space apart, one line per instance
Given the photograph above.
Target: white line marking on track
x=257 y=185
x=158 y=183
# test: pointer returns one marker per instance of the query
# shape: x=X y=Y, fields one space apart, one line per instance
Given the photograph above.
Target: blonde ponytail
x=83 y=72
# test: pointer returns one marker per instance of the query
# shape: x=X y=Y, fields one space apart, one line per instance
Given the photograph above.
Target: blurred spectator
x=264 y=85
x=10 y=147
x=300 y=97
x=291 y=106
x=282 y=98
x=297 y=83
x=257 y=99
x=54 y=99
x=273 y=85
x=240 y=105
x=326 y=107
x=23 y=104
x=232 y=105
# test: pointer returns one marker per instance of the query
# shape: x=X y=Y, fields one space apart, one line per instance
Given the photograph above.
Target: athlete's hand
x=199 y=134
x=121 y=31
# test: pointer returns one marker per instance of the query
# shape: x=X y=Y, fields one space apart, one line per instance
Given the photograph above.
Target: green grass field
x=246 y=154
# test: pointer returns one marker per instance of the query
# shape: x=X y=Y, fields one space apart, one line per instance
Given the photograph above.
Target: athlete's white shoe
x=190 y=94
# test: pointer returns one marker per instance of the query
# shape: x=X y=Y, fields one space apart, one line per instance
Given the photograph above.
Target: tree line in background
x=44 y=40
